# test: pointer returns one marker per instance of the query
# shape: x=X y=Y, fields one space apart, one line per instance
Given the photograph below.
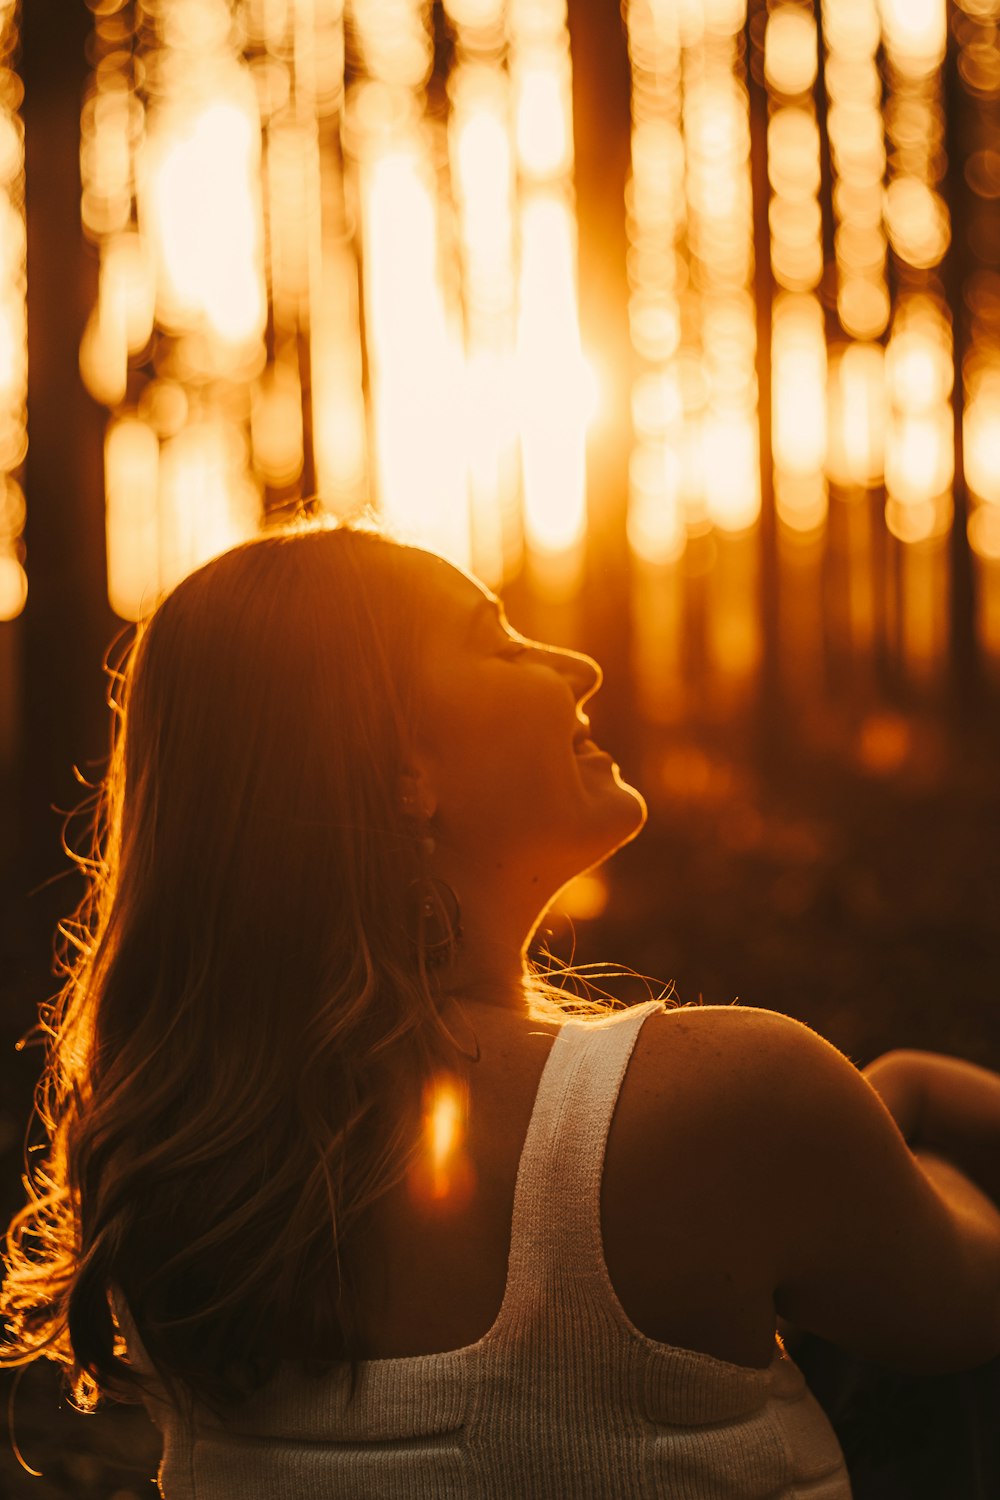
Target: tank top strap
x=556 y=1226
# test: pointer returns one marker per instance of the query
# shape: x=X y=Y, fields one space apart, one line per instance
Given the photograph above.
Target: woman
x=376 y=1212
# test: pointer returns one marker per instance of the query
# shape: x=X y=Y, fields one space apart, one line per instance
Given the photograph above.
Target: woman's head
x=247 y=1016
x=494 y=758
x=298 y=700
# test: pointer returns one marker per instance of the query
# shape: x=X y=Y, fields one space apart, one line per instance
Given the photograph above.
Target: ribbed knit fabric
x=562 y=1399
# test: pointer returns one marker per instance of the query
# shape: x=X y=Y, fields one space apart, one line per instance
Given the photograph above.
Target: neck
x=502 y=904
x=486 y=970
x=489 y=967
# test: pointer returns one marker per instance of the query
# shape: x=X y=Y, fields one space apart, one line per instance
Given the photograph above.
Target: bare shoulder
x=729 y=1026
x=765 y=1079
x=862 y=1246
x=756 y=1058
x=720 y=1087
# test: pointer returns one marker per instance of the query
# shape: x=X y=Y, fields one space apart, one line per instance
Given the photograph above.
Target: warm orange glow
x=656 y=530
x=918 y=367
x=856 y=413
x=483 y=16
x=984 y=532
x=919 y=458
x=856 y=132
x=483 y=176
x=441 y=1176
x=919 y=519
x=542 y=113
x=127 y=288
x=794 y=172
x=483 y=181
x=199 y=206
x=172 y=194
x=415 y=354
x=131 y=487
x=586 y=897
x=293 y=216
x=734 y=637
x=863 y=306
x=207 y=501
x=110 y=126
x=443 y=1126
x=554 y=391
x=245 y=186
x=731 y=469
x=655 y=197
x=122 y=322
x=695 y=464
x=339 y=426
x=395 y=43
x=915 y=34
x=491 y=439
x=790 y=50
x=981 y=432
x=793 y=151
x=276 y=424
x=551 y=378
x=885 y=742
x=13 y=587
x=799 y=411
x=917 y=221
x=919 y=438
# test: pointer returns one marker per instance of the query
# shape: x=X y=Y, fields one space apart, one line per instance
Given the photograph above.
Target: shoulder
x=762 y=1078
x=862 y=1247
x=726 y=1027
x=759 y=1057
x=726 y=1087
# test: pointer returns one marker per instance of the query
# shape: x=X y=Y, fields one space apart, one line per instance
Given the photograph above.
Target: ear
x=416 y=796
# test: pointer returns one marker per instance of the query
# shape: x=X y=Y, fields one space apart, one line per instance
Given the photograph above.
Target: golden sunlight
x=441 y=1175
x=336 y=257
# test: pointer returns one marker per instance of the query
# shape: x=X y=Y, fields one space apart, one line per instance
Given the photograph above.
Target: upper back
x=430 y=1279
x=562 y=1393
x=736 y=1148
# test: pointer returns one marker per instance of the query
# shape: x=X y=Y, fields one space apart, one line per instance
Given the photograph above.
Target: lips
x=584 y=746
x=589 y=751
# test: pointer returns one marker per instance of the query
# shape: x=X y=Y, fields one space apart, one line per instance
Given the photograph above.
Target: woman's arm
x=895 y=1259
x=945 y=1106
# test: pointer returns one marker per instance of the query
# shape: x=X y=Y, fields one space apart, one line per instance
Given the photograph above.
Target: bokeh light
x=337 y=259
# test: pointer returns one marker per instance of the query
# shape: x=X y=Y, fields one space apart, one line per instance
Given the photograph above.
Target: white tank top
x=562 y=1399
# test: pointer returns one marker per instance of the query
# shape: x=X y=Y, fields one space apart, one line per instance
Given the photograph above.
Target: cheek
x=508 y=760
x=502 y=747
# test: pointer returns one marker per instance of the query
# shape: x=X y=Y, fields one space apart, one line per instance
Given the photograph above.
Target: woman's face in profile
x=498 y=742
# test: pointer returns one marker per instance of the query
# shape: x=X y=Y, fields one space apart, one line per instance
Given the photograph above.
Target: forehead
x=452 y=595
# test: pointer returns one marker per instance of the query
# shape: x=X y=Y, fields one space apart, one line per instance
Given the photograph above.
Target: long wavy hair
x=245 y=1005
x=248 y=1016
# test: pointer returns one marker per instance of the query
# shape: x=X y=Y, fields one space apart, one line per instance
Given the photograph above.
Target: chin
x=622 y=818
x=635 y=811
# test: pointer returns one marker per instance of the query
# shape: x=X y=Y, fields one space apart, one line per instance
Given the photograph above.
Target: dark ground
x=854 y=884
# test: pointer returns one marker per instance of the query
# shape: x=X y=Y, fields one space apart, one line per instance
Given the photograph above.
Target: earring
x=433 y=905
x=439 y=919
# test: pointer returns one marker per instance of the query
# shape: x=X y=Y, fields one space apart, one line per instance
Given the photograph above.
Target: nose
x=584 y=673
